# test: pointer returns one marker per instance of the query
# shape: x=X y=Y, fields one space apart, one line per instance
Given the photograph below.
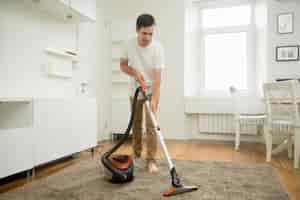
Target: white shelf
x=121 y=81
x=55 y=52
x=80 y=10
x=15 y=99
x=60 y=75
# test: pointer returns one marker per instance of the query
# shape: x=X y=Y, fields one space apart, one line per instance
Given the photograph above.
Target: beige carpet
x=216 y=180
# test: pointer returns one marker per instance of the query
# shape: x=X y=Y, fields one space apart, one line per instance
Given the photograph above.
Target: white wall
x=103 y=70
x=282 y=69
x=261 y=22
x=25 y=33
x=169 y=15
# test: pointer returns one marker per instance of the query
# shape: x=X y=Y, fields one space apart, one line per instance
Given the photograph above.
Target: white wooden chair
x=283 y=113
x=241 y=118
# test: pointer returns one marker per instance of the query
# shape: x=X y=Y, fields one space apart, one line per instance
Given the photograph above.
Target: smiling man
x=143 y=59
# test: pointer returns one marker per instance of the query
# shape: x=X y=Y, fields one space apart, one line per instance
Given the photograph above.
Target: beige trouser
x=137 y=131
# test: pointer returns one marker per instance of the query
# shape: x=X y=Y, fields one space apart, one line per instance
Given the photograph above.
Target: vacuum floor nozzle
x=179 y=190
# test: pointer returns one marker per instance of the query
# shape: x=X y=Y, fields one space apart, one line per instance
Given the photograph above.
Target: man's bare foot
x=152 y=168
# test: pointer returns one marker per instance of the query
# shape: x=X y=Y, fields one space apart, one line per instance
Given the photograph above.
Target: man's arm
x=130 y=71
x=155 y=89
x=156 y=71
x=126 y=69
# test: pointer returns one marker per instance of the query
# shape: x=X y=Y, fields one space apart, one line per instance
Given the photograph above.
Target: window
x=234 y=16
x=226 y=47
x=224 y=67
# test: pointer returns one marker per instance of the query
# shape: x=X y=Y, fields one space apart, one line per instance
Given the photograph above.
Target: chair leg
x=297 y=147
x=268 y=141
x=237 y=135
x=296 y=157
x=290 y=145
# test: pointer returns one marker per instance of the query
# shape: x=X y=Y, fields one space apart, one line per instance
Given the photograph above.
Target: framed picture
x=287 y=53
x=285 y=23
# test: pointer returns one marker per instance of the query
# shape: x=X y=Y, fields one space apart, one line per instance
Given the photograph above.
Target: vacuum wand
x=177 y=187
x=158 y=132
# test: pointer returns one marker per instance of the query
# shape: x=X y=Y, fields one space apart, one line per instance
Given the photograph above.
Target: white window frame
x=249 y=29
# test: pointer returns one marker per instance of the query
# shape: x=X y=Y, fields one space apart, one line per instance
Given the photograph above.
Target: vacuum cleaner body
x=124 y=165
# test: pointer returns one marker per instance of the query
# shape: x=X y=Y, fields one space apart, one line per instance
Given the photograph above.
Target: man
x=143 y=59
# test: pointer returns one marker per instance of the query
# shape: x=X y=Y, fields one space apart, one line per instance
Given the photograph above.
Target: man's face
x=145 y=35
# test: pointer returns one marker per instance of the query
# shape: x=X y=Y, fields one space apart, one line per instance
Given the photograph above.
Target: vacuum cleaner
x=119 y=168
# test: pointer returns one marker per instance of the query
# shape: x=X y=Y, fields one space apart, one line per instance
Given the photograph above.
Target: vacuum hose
x=105 y=157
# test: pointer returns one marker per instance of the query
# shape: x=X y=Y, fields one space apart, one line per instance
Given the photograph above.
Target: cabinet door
x=63 y=127
x=52 y=125
x=16 y=151
x=86 y=122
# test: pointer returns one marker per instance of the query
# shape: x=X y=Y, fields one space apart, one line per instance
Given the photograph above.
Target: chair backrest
x=280 y=98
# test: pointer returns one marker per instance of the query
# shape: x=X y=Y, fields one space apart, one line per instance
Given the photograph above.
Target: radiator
x=223 y=124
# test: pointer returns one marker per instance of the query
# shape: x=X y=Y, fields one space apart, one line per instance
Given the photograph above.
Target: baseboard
x=230 y=138
x=118 y=136
x=203 y=136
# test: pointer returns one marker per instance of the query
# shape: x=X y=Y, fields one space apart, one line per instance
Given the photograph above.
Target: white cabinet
x=63 y=127
x=72 y=10
x=16 y=135
x=60 y=127
x=16 y=151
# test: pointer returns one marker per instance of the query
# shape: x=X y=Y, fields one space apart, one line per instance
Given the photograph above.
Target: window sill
x=198 y=104
x=220 y=105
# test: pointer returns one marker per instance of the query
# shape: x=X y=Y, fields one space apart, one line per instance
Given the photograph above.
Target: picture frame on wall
x=287 y=53
x=285 y=23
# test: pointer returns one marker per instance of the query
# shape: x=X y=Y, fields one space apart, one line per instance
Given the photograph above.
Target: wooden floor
x=185 y=150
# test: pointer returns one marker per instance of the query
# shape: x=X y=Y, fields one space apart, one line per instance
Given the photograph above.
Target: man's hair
x=145 y=20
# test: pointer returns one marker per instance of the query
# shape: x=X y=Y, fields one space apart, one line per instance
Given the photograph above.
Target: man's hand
x=140 y=78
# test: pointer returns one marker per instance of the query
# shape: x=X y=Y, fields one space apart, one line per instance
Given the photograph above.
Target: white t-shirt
x=143 y=59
